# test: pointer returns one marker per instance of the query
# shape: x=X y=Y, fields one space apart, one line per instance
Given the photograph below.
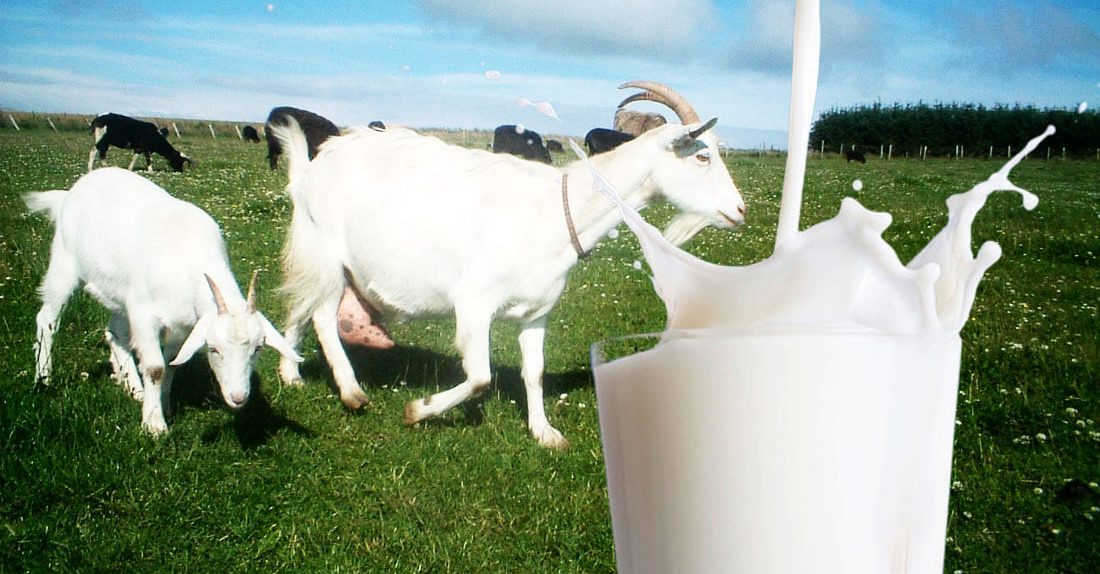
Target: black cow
x=125 y=132
x=554 y=146
x=853 y=155
x=316 y=128
x=249 y=134
x=520 y=142
x=600 y=140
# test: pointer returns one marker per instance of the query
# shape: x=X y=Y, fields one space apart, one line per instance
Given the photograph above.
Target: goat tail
x=45 y=201
x=312 y=273
x=292 y=140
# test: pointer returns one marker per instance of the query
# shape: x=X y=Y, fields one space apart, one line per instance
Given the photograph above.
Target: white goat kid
x=420 y=227
x=159 y=266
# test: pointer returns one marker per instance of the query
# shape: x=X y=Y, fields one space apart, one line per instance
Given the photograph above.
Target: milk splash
x=838 y=274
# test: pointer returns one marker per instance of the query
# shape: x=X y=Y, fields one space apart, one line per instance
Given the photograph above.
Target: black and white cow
x=600 y=140
x=249 y=134
x=521 y=142
x=317 y=130
x=853 y=155
x=142 y=137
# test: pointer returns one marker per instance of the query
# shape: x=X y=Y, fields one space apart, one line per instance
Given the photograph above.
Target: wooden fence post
x=49 y=121
x=13 y=123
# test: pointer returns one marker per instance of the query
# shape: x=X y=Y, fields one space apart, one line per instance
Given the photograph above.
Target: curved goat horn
x=218 y=299
x=252 y=291
x=662 y=94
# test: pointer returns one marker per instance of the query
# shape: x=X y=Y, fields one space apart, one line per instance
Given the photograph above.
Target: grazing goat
x=142 y=137
x=554 y=146
x=420 y=227
x=853 y=155
x=599 y=140
x=520 y=142
x=317 y=130
x=159 y=266
x=249 y=134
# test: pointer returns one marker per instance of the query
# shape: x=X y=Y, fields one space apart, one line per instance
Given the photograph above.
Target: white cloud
x=651 y=28
x=851 y=36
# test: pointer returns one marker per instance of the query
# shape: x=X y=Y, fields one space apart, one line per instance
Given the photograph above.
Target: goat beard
x=356 y=322
x=683 y=227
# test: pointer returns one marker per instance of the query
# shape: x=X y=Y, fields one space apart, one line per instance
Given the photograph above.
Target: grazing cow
x=317 y=130
x=853 y=155
x=600 y=140
x=520 y=142
x=143 y=138
x=249 y=134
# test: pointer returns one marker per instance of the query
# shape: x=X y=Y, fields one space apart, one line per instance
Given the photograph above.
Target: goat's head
x=233 y=337
x=690 y=172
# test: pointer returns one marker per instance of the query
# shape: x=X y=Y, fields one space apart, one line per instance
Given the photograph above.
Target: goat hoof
x=550 y=437
x=293 y=382
x=355 y=400
x=155 y=430
x=412 y=412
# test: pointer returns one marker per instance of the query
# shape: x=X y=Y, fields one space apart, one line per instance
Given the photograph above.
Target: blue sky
x=464 y=64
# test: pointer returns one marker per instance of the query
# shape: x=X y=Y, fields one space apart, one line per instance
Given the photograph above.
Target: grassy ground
x=297 y=483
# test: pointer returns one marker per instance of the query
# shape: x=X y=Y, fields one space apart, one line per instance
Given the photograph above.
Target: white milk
x=794 y=451
x=798 y=413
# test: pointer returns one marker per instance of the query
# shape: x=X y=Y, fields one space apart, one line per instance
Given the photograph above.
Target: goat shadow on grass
x=429 y=372
x=254 y=424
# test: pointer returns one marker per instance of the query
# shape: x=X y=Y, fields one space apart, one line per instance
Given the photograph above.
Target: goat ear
x=684 y=138
x=275 y=340
x=194 y=341
x=699 y=129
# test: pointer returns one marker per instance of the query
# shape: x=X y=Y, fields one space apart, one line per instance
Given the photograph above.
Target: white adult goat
x=160 y=266
x=419 y=227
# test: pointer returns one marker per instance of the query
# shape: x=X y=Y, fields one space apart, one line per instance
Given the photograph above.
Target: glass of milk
x=778 y=450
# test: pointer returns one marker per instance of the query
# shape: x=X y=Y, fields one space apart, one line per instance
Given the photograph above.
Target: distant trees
x=945 y=127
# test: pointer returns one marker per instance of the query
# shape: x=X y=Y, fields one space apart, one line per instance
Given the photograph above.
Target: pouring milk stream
x=797 y=414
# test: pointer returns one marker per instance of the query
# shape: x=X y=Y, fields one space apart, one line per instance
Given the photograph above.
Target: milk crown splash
x=838 y=274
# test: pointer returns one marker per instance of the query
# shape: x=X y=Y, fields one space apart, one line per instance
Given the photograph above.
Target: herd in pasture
x=386 y=222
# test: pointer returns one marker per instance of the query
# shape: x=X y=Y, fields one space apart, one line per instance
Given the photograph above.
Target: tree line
x=949 y=129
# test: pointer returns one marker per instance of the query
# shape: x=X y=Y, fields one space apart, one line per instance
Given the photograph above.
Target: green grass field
x=296 y=483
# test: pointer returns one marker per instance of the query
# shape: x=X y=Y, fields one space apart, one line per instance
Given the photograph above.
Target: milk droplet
x=520 y=129
x=637 y=265
x=857 y=185
x=270 y=7
x=613 y=234
x=1082 y=107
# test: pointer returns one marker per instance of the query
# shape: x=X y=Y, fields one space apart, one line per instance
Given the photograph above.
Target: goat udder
x=356 y=325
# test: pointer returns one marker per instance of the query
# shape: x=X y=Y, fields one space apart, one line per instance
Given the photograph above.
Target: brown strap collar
x=581 y=253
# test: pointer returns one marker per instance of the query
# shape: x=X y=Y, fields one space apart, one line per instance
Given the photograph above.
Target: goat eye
x=214 y=351
x=703 y=157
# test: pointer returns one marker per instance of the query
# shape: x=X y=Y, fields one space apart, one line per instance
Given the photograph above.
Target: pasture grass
x=295 y=483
